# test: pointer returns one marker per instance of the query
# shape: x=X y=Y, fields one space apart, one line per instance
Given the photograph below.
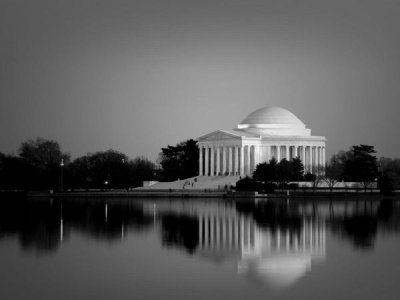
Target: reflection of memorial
x=271 y=242
x=274 y=256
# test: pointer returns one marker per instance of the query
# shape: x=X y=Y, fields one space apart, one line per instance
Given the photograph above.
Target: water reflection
x=274 y=243
x=266 y=243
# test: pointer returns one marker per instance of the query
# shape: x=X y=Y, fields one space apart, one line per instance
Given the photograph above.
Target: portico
x=257 y=140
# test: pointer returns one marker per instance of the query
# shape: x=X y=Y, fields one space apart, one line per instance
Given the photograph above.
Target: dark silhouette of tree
x=390 y=169
x=314 y=179
x=109 y=169
x=246 y=184
x=180 y=161
x=16 y=173
x=100 y=169
x=297 y=169
x=334 y=170
x=36 y=167
x=266 y=171
x=361 y=165
x=284 y=172
x=281 y=172
x=385 y=184
x=141 y=169
x=42 y=153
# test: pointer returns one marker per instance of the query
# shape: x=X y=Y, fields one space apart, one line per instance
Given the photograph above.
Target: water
x=199 y=249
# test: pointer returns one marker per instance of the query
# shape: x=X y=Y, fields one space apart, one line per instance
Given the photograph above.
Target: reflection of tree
x=361 y=229
x=38 y=223
x=359 y=226
x=362 y=226
x=180 y=231
x=90 y=217
x=272 y=215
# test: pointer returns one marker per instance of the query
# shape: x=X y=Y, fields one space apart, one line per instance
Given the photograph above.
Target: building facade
x=269 y=132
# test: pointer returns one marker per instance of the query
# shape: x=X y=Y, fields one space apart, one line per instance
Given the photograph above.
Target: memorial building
x=268 y=132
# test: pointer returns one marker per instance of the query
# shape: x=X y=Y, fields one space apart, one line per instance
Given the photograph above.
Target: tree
x=361 y=165
x=109 y=169
x=180 y=161
x=246 y=184
x=284 y=172
x=385 y=185
x=334 y=171
x=15 y=173
x=390 y=168
x=43 y=157
x=281 y=172
x=42 y=153
x=266 y=171
x=297 y=169
x=141 y=169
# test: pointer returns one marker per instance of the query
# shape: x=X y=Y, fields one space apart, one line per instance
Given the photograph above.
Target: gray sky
x=138 y=75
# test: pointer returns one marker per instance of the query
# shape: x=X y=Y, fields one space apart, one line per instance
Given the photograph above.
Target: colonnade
x=225 y=232
x=217 y=160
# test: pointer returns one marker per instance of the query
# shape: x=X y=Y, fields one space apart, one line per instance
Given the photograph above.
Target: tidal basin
x=199 y=249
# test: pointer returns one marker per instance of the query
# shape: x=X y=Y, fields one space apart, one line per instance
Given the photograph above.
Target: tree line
x=358 y=164
x=41 y=164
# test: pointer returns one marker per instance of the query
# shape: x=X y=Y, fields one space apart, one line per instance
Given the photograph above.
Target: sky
x=136 y=76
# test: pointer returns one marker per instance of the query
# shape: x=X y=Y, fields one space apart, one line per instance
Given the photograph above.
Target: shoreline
x=210 y=194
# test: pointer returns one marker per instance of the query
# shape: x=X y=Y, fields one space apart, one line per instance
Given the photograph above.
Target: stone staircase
x=196 y=183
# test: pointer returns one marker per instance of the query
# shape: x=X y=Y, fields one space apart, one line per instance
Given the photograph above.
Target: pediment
x=219 y=135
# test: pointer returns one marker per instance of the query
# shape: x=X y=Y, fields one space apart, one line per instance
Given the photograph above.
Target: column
x=287 y=148
x=323 y=157
x=252 y=159
x=218 y=163
x=206 y=173
x=241 y=161
x=314 y=161
x=278 y=153
x=257 y=152
x=311 y=235
x=248 y=161
x=212 y=161
x=201 y=241
x=223 y=160
x=201 y=161
x=268 y=155
x=230 y=161
x=230 y=230
x=218 y=232
x=206 y=229
x=211 y=229
x=303 y=157
x=236 y=170
x=310 y=159
x=295 y=152
x=320 y=158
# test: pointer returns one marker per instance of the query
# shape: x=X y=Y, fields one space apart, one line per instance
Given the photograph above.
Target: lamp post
x=62 y=175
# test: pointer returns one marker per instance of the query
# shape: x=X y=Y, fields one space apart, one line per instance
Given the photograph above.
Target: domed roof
x=271 y=115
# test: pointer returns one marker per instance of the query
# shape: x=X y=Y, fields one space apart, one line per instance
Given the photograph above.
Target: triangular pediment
x=219 y=135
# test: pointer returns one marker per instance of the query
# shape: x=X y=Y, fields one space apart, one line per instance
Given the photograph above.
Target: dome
x=275 y=121
x=277 y=271
x=271 y=115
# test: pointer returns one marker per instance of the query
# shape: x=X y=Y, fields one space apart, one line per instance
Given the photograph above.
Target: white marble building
x=266 y=133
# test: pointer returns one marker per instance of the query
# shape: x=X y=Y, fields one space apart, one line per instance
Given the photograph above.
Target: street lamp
x=62 y=175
